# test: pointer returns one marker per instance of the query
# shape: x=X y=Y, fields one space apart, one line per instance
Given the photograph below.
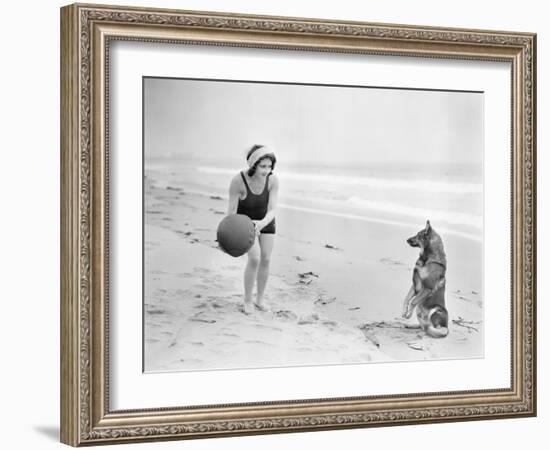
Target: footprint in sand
x=233 y=335
x=309 y=320
x=395 y=331
x=267 y=327
x=255 y=341
x=286 y=314
x=205 y=287
x=202 y=305
x=184 y=275
x=199 y=317
x=202 y=319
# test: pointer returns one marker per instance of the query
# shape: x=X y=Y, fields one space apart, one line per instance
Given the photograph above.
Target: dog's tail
x=438 y=323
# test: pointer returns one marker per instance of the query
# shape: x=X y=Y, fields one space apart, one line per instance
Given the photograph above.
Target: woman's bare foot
x=261 y=307
x=260 y=304
x=248 y=308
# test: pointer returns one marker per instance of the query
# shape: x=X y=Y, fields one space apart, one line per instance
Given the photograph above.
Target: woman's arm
x=272 y=205
x=234 y=192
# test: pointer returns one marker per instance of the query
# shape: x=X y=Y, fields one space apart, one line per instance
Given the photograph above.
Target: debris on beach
x=322 y=300
x=355 y=308
x=299 y=258
x=201 y=319
x=391 y=262
x=216 y=197
x=332 y=247
x=372 y=339
x=415 y=345
x=172 y=188
x=308 y=274
x=156 y=311
x=307 y=277
x=468 y=324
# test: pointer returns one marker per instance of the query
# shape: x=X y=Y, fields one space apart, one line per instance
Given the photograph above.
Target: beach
x=335 y=292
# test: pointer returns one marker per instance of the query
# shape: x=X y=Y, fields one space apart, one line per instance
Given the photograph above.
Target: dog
x=427 y=293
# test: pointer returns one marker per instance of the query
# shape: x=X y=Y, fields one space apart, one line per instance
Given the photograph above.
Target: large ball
x=236 y=234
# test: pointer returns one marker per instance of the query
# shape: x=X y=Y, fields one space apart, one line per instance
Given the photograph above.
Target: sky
x=328 y=124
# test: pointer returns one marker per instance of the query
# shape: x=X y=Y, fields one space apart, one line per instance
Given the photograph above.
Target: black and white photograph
x=294 y=225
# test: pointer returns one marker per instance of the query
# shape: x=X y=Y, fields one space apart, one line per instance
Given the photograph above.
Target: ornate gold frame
x=86 y=31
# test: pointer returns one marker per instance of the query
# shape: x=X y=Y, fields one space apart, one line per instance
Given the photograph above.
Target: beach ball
x=236 y=234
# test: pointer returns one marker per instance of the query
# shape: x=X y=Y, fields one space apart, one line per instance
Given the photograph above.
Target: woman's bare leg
x=250 y=273
x=266 y=248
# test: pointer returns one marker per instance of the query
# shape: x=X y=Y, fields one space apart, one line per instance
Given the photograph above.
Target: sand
x=334 y=294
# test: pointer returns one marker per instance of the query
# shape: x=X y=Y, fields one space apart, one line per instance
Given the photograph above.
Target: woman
x=253 y=192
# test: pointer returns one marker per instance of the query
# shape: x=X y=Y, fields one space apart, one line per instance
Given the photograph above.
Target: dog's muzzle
x=412 y=242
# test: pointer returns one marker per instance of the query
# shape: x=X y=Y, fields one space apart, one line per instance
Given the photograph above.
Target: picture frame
x=88 y=250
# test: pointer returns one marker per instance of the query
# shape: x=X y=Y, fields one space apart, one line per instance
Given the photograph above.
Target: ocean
x=449 y=195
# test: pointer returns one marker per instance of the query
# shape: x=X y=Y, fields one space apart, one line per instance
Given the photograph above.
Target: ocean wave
x=390 y=183
x=346 y=215
x=443 y=230
x=450 y=217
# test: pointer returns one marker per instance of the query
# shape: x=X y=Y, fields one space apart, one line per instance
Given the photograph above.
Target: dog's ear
x=428 y=226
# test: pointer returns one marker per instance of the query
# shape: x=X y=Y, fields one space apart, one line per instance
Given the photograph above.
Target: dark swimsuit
x=255 y=206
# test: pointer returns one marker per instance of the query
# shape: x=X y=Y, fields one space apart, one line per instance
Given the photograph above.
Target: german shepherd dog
x=427 y=292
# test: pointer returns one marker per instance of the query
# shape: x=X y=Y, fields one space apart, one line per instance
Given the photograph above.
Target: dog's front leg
x=406 y=302
x=417 y=299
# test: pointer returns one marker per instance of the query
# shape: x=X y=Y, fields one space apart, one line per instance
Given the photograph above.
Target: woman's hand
x=258 y=225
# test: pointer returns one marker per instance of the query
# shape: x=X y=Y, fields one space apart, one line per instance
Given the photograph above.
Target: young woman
x=253 y=192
